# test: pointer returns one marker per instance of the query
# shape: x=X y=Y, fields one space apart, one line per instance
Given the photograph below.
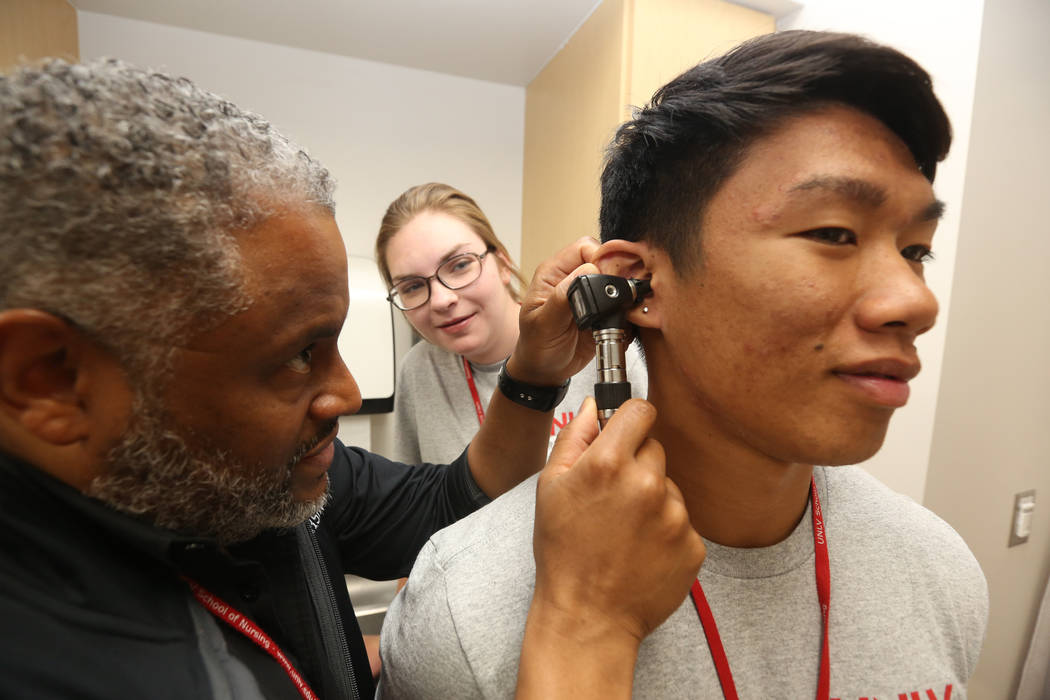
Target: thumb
x=573 y=440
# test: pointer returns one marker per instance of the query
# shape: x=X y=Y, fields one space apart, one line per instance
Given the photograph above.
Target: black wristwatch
x=539 y=398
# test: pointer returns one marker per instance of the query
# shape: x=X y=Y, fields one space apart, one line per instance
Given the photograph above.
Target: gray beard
x=153 y=473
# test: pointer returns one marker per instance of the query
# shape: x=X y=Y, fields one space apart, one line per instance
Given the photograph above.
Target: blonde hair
x=443 y=199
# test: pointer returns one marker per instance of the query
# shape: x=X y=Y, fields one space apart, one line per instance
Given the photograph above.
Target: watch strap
x=539 y=398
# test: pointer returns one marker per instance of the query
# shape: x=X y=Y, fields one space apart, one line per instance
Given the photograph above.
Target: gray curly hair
x=121 y=190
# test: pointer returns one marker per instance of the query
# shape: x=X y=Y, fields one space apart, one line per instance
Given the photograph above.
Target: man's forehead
x=863 y=192
x=295 y=257
x=295 y=276
x=292 y=234
x=838 y=151
x=277 y=316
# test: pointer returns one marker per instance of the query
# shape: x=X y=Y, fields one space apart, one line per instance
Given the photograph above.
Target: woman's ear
x=505 y=274
x=635 y=260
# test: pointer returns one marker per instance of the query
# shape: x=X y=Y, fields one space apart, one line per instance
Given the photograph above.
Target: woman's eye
x=410 y=287
x=832 y=236
x=301 y=363
x=917 y=253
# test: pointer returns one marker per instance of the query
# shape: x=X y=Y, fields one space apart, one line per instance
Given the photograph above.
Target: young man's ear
x=637 y=260
x=39 y=353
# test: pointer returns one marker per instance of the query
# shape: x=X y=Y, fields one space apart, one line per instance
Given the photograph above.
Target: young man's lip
x=879 y=389
x=885 y=368
x=883 y=381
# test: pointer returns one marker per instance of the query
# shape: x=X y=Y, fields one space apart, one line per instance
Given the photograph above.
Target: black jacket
x=93 y=604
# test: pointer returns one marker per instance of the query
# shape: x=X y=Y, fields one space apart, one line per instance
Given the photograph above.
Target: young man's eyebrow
x=866 y=193
x=861 y=191
x=932 y=212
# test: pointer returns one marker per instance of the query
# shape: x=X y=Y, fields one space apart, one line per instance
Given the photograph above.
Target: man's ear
x=637 y=260
x=40 y=384
x=623 y=258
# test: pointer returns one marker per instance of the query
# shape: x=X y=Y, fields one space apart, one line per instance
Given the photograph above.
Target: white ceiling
x=504 y=41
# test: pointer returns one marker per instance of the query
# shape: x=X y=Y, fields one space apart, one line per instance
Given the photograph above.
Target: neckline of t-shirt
x=763 y=562
x=486 y=369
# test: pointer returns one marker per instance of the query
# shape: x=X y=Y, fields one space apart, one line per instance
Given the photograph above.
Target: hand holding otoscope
x=600 y=302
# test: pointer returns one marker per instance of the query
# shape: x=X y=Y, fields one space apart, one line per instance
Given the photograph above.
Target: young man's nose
x=339 y=396
x=897 y=297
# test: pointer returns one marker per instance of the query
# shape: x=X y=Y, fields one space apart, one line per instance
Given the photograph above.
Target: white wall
x=992 y=439
x=944 y=37
x=378 y=128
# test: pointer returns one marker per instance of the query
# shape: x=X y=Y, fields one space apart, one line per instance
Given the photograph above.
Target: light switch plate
x=1019 y=499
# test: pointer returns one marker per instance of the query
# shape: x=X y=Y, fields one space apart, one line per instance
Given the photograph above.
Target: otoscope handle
x=612 y=387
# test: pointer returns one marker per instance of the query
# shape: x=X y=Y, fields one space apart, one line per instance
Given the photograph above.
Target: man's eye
x=917 y=253
x=833 y=236
x=302 y=361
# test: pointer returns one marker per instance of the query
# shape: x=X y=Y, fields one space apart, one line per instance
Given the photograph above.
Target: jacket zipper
x=332 y=632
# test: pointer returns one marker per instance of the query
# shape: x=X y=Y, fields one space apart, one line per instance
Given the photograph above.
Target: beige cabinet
x=33 y=29
x=617 y=58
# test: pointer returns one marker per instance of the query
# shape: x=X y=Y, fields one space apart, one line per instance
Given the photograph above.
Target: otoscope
x=600 y=302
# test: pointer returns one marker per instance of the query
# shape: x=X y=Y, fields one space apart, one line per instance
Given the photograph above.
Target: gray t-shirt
x=909 y=606
x=434 y=411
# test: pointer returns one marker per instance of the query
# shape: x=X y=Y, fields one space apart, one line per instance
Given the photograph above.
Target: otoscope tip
x=642 y=287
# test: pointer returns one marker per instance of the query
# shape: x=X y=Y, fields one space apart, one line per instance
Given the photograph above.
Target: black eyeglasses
x=455 y=273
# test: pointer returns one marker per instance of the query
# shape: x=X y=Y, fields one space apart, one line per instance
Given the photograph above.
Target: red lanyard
x=823 y=569
x=474 y=391
x=228 y=614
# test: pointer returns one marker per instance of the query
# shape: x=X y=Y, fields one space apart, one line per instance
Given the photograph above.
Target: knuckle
x=698 y=550
x=637 y=411
x=677 y=518
x=607 y=454
x=650 y=486
x=652 y=453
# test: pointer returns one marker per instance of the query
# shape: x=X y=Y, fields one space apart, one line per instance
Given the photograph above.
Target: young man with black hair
x=779 y=200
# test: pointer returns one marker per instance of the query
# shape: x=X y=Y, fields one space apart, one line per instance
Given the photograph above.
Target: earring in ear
x=645 y=309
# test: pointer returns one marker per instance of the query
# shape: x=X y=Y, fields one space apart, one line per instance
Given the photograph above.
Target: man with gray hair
x=177 y=513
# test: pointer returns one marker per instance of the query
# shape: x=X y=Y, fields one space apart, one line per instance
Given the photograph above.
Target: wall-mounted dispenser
x=367 y=340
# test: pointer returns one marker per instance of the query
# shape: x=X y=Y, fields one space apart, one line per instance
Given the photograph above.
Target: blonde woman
x=456 y=284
